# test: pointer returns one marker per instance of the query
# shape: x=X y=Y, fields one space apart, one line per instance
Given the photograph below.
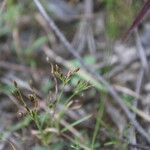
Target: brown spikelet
x=15 y=84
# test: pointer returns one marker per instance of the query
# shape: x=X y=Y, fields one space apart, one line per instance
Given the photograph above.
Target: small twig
x=141 y=147
x=13 y=146
x=16 y=67
x=132 y=134
x=84 y=34
x=90 y=37
x=111 y=90
x=120 y=68
x=138 y=85
x=128 y=91
x=142 y=54
x=80 y=37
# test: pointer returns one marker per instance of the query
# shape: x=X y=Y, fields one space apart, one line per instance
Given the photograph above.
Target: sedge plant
x=48 y=122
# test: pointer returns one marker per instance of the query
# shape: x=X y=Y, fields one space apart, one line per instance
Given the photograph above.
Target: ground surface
x=40 y=109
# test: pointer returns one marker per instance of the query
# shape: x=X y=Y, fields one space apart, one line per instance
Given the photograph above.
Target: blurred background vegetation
x=23 y=36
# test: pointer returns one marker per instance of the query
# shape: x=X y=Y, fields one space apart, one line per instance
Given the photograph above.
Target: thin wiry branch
x=143 y=12
x=120 y=68
x=111 y=90
x=132 y=134
x=142 y=54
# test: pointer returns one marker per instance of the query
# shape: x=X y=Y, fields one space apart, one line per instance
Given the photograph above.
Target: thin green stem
x=98 y=120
